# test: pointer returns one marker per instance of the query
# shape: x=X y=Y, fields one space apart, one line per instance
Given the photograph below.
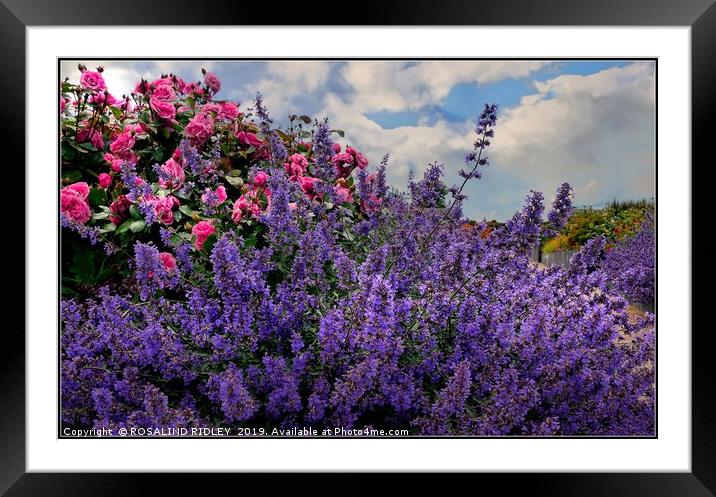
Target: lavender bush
x=320 y=296
x=631 y=264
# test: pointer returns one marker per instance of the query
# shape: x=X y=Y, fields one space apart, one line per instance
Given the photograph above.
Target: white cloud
x=410 y=147
x=286 y=79
x=401 y=85
x=595 y=131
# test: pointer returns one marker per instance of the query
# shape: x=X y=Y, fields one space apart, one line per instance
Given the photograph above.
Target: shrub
x=631 y=264
x=263 y=277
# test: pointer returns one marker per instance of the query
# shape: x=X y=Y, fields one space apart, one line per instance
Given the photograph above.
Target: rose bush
x=218 y=271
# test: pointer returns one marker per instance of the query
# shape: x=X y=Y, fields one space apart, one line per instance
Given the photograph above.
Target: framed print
x=358 y=249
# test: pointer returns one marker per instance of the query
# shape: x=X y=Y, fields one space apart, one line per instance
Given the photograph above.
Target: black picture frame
x=16 y=15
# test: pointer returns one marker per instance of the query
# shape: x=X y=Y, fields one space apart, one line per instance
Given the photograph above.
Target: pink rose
x=337 y=148
x=92 y=80
x=229 y=111
x=117 y=165
x=372 y=204
x=210 y=107
x=91 y=135
x=212 y=82
x=119 y=209
x=343 y=163
x=81 y=188
x=199 y=129
x=174 y=174
x=242 y=203
x=105 y=180
x=73 y=203
x=188 y=87
x=163 y=207
x=180 y=83
x=138 y=128
x=237 y=213
x=248 y=139
x=202 y=230
x=343 y=194
x=342 y=159
x=296 y=166
x=168 y=261
x=218 y=197
x=104 y=98
x=97 y=141
x=360 y=159
x=141 y=87
x=221 y=193
x=126 y=105
x=157 y=83
x=307 y=184
x=164 y=93
x=261 y=179
x=246 y=203
x=163 y=108
x=122 y=144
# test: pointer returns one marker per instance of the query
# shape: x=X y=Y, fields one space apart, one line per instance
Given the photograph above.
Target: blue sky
x=590 y=123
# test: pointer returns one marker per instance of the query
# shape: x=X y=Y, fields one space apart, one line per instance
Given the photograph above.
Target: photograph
x=357 y=248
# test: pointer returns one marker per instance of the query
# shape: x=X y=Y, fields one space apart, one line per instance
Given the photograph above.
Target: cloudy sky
x=590 y=123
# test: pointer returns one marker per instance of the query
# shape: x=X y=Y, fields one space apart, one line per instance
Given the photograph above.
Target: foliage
x=631 y=264
x=614 y=222
x=275 y=282
x=559 y=242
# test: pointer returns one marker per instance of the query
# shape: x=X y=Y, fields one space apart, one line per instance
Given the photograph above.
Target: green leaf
x=305 y=134
x=82 y=265
x=73 y=176
x=138 y=225
x=124 y=226
x=235 y=181
x=108 y=228
x=97 y=216
x=134 y=212
x=166 y=132
x=158 y=155
x=339 y=132
x=97 y=196
x=151 y=127
x=283 y=135
x=185 y=209
x=305 y=119
x=68 y=153
x=209 y=244
x=349 y=236
x=250 y=241
x=117 y=112
x=88 y=146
